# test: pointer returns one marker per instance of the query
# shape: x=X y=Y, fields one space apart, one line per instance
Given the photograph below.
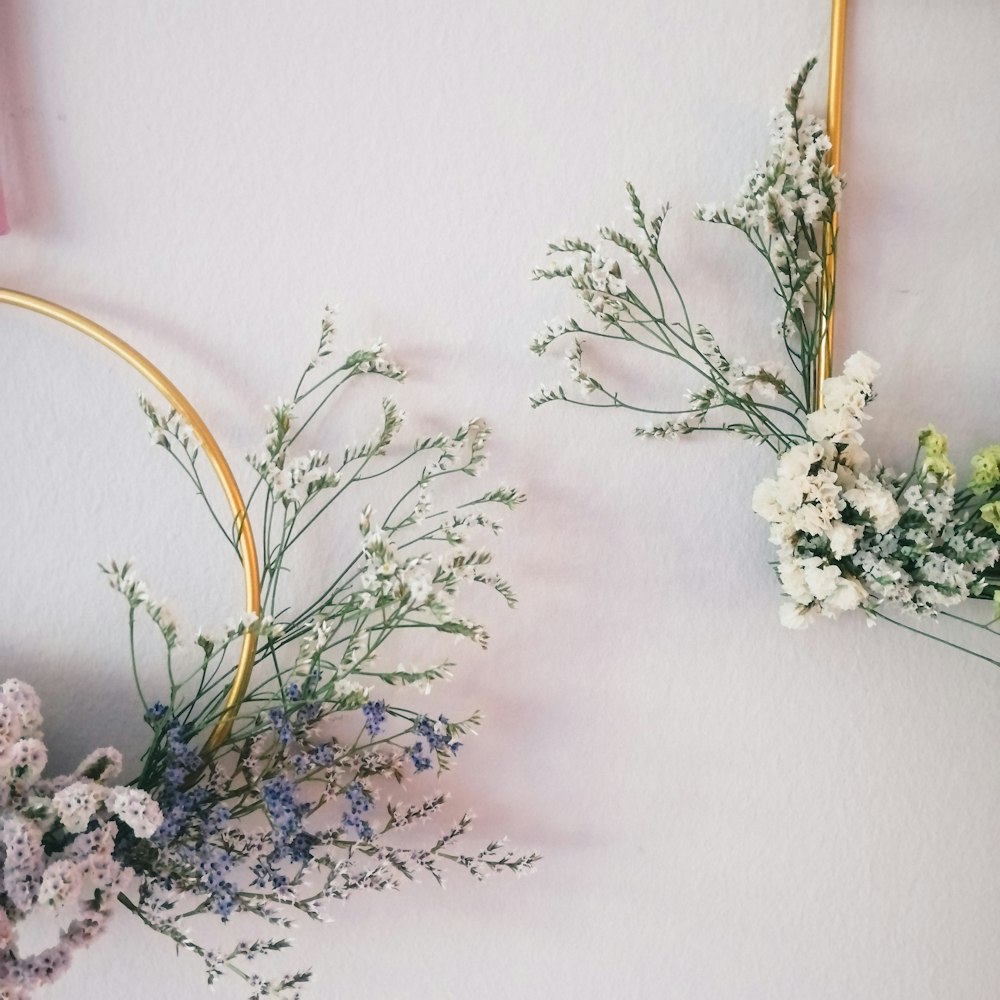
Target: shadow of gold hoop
x=247 y=548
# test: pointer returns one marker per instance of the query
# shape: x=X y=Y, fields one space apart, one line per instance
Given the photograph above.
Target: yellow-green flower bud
x=935 y=444
x=986 y=469
x=936 y=462
x=939 y=466
x=990 y=513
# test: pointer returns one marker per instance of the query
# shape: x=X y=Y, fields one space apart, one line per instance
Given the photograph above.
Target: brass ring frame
x=834 y=116
x=247 y=548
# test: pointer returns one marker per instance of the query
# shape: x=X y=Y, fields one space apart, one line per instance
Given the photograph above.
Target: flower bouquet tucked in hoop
x=303 y=802
x=849 y=533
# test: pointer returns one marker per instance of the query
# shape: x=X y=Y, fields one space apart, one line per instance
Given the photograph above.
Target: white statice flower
x=574 y=360
x=795 y=187
x=843 y=393
x=874 y=499
x=320 y=633
x=347 y=687
x=776 y=499
x=783 y=206
x=421 y=587
x=123 y=578
x=849 y=534
x=814 y=206
x=23 y=703
x=861 y=368
x=800 y=460
x=24 y=760
x=843 y=538
x=846 y=596
x=61 y=883
x=10 y=725
x=77 y=803
x=767 y=380
x=294 y=481
x=24 y=859
x=821 y=578
x=328 y=332
x=137 y=809
x=822 y=502
x=854 y=459
x=373 y=360
x=554 y=329
x=836 y=426
x=423 y=506
x=795 y=616
x=793 y=582
x=668 y=430
x=264 y=626
x=778 y=212
x=166 y=425
x=599 y=281
x=388 y=575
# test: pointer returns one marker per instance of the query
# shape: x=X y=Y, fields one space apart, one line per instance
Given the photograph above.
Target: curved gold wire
x=247 y=548
x=834 y=114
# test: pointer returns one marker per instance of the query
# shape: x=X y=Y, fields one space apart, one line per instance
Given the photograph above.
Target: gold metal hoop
x=834 y=118
x=246 y=546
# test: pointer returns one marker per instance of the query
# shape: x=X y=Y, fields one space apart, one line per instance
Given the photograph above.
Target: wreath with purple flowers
x=306 y=799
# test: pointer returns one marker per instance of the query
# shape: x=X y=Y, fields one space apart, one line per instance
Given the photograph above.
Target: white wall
x=725 y=809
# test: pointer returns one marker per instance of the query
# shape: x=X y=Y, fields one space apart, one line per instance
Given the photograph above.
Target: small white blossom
x=860 y=367
x=76 y=804
x=137 y=809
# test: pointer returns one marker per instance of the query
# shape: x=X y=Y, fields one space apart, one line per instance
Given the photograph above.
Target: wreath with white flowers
x=296 y=806
x=849 y=533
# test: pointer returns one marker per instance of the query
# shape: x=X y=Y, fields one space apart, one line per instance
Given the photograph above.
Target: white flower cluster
x=574 y=360
x=57 y=841
x=166 y=426
x=598 y=280
x=388 y=576
x=373 y=360
x=299 y=478
x=123 y=578
x=767 y=380
x=796 y=184
x=849 y=535
x=424 y=582
x=292 y=480
x=782 y=204
x=601 y=281
x=554 y=329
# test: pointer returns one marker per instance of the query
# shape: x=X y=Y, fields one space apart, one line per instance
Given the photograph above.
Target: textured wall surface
x=725 y=809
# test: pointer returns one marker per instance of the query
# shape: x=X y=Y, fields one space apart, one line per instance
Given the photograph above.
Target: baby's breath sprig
x=781 y=209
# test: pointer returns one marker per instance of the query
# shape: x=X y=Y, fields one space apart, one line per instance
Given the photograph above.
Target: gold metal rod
x=834 y=117
x=247 y=547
